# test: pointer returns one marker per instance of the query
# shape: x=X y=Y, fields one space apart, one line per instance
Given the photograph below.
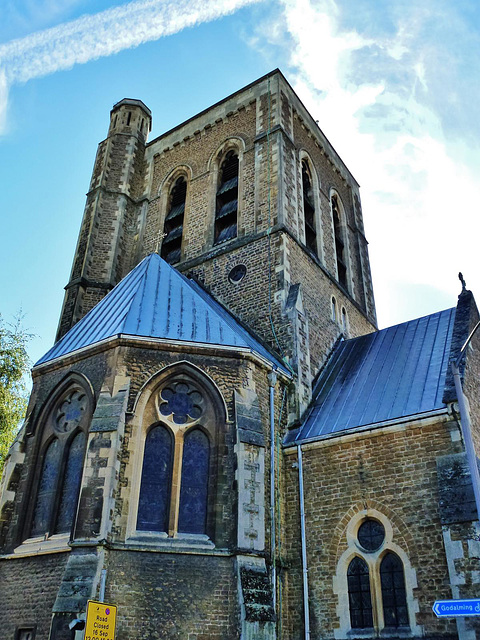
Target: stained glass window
x=154 y=500
x=47 y=490
x=192 y=516
x=359 y=596
x=71 y=484
x=393 y=591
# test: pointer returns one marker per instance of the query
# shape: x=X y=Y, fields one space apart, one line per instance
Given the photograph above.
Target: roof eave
x=424 y=417
x=123 y=339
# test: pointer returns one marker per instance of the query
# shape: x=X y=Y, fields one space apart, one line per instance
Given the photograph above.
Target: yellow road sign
x=101 y=618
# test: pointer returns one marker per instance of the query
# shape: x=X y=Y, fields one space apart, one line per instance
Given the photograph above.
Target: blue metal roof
x=393 y=373
x=156 y=301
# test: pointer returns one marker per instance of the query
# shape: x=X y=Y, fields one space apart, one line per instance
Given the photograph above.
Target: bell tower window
x=226 y=211
x=173 y=228
x=309 y=209
x=340 y=250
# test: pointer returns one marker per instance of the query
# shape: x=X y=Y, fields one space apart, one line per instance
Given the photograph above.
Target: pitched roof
x=156 y=301
x=389 y=374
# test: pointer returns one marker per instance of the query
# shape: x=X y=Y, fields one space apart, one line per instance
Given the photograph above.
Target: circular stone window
x=371 y=535
x=237 y=274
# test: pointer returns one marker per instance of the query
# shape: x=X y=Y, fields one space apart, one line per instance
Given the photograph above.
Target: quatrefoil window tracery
x=181 y=402
x=70 y=411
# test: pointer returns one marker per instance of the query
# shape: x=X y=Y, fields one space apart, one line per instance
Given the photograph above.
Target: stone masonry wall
x=172 y=596
x=393 y=471
x=318 y=289
x=28 y=588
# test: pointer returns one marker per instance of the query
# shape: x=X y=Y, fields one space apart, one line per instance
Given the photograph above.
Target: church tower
x=248 y=197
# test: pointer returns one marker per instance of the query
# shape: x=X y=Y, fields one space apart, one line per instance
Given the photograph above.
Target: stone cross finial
x=160 y=237
x=464 y=286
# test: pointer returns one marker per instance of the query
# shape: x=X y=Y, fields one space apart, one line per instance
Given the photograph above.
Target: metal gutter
x=424 y=418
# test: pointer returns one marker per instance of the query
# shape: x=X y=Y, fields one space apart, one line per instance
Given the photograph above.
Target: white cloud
x=103 y=34
x=3 y=101
x=372 y=97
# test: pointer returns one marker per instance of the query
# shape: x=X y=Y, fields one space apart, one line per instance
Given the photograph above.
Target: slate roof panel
x=386 y=375
x=156 y=301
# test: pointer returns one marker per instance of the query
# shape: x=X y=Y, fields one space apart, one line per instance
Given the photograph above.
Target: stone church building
x=221 y=442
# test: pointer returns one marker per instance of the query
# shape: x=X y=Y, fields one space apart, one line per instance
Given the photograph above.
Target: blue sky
x=393 y=83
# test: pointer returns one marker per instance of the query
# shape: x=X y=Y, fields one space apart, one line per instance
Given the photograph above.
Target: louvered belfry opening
x=173 y=228
x=227 y=200
x=339 y=243
x=309 y=209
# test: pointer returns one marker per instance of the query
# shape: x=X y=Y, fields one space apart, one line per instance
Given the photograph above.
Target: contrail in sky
x=105 y=33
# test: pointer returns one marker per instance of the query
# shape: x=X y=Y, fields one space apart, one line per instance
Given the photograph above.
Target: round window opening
x=371 y=535
x=237 y=274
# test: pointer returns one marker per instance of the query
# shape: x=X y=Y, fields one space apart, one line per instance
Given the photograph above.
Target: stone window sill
x=386 y=632
x=182 y=541
x=40 y=545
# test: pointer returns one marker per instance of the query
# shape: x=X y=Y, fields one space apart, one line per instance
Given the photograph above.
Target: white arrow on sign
x=455 y=608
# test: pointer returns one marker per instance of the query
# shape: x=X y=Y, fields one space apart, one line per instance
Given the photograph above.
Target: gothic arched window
x=359 y=596
x=154 y=499
x=47 y=490
x=394 y=600
x=178 y=478
x=59 y=487
x=173 y=227
x=340 y=249
x=192 y=516
x=309 y=209
x=374 y=580
x=56 y=485
x=226 y=210
x=71 y=484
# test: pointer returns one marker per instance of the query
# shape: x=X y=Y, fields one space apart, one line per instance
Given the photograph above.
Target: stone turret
x=107 y=240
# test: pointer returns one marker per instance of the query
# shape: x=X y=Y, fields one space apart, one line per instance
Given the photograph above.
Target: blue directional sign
x=454 y=608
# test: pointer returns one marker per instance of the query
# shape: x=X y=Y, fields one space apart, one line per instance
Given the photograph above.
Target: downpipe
x=306 y=611
x=272 y=380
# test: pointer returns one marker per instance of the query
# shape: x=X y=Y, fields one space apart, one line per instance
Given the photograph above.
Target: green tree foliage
x=14 y=364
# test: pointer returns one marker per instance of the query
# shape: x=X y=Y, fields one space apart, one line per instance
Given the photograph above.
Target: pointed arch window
x=375 y=577
x=226 y=210
x=340 y=249
x=309 y=209
x=192 y=516
x=154 y=500
x=173 y=227
x=359 y=596
x=57 y=478
x=394 y=599
x=59 y=487
x=71 y=484
x=47 y=489
x=177 y=479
